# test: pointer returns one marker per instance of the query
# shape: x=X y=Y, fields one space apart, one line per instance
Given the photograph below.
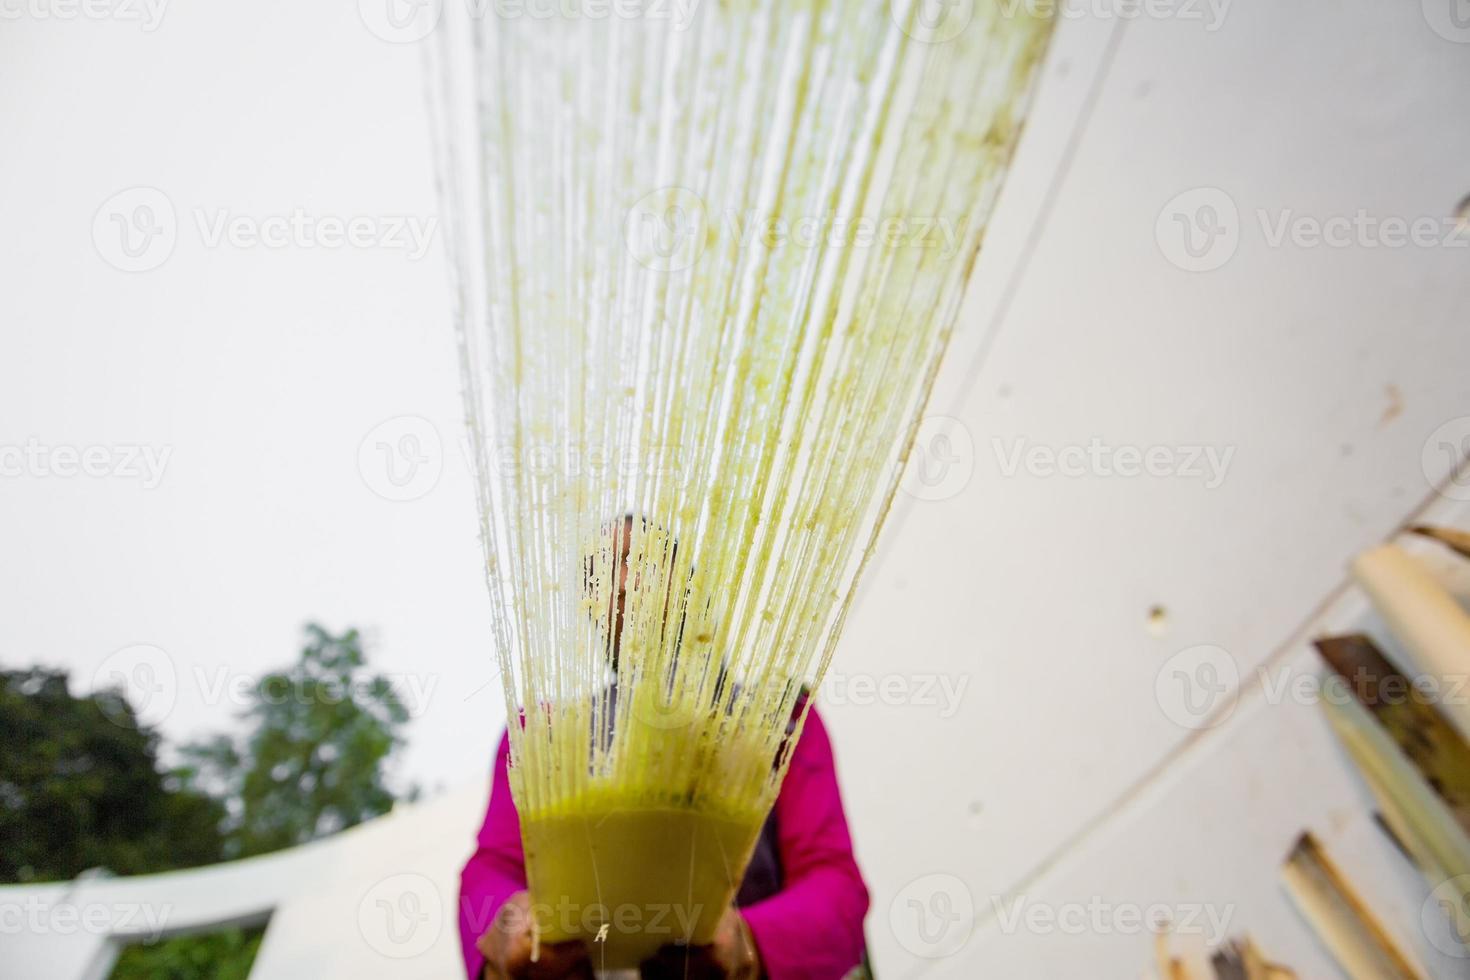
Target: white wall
x=1326 y=370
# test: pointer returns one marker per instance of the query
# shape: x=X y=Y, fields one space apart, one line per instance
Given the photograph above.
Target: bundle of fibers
x=706 y=263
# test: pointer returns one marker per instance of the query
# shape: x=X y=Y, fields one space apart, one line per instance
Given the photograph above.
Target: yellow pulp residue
x=706 y=266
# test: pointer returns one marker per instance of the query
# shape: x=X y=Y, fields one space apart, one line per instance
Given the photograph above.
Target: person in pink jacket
x=799 y=912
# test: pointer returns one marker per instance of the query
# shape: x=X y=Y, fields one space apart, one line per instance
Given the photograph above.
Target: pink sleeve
x=813 y=928
x=497 y=869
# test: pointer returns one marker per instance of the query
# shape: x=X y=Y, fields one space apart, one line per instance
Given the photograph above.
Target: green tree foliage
x=80 y=787
x=313 y=759
x=224 y=955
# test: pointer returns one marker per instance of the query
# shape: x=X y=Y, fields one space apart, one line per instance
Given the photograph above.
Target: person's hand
x=508 y=943
x=732 y=956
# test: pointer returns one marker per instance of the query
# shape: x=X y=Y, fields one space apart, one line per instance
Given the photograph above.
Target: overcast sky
x=217 y=291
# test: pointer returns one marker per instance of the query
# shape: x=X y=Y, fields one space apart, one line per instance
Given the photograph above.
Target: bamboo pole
x=1452 y=538
x=1430 y=623
x=1419 y=731
x=1357 y=940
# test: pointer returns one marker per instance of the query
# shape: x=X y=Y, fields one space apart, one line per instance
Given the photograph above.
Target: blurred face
x=620 y=601
x=628 y=578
